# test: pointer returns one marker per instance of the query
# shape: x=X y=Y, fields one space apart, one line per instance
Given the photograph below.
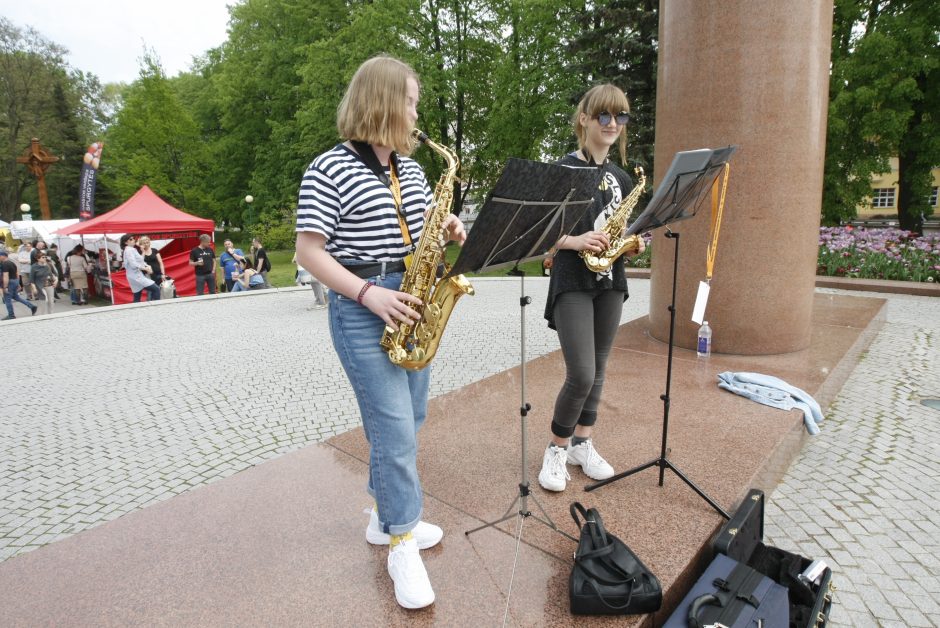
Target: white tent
x=40 y=229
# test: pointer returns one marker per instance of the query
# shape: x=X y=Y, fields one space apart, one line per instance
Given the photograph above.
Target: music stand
x=678 y=197
x=532 y=205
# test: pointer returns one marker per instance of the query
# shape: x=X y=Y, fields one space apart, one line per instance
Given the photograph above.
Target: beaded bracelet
x=362 y=292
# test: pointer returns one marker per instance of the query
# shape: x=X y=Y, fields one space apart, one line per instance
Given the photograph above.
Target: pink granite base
x=282 y=543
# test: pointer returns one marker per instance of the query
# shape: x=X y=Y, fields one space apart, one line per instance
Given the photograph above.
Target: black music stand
x=679 y=196
x=532 y=205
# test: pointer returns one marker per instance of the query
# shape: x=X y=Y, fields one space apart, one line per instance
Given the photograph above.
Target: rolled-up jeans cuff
x=396 y=529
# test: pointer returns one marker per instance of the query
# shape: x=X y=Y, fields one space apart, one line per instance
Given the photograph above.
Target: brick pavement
x=143 y=403
x=117 y=430
x=864 y=494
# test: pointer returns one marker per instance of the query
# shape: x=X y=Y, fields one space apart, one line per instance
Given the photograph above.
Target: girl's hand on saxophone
x=594 y=241
x=391 y=306
x=454 y=229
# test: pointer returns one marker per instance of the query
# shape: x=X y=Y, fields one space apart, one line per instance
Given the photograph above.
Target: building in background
x=883 y=203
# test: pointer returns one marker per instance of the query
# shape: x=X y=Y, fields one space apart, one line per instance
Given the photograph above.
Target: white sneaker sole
x=594 y=475
x=554 y=489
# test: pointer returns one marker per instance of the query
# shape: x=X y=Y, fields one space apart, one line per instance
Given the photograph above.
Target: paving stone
x=861 y=494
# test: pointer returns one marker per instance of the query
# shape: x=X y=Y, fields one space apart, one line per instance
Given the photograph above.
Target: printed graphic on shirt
x=609 y=184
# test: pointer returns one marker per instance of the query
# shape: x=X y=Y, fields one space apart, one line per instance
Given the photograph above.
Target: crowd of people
x=35 y=275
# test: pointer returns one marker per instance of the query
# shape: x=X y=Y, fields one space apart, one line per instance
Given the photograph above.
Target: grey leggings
x=587 y=323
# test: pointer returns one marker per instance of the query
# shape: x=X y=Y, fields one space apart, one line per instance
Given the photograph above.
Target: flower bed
x=865 y=253
x=878 y=254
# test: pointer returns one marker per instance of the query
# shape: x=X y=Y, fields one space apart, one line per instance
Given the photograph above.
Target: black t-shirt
x=569 y=272
x=261 y=254
x=6 y=266
x=207 y=256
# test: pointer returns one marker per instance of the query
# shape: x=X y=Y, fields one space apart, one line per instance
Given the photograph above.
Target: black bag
x=733 y=595
x=608 y=578
x=742 y=538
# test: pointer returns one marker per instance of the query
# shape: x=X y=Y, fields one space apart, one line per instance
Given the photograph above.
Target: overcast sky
x=107 y=37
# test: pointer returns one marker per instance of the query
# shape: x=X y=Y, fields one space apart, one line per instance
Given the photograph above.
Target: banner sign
x=86 y=187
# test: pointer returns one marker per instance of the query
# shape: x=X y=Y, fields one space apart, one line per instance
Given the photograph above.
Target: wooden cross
x=38 y=160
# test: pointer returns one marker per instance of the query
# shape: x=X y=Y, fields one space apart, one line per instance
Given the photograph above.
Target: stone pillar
x=753 y=73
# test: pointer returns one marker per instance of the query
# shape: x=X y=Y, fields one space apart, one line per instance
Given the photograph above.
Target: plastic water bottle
x=704 y=348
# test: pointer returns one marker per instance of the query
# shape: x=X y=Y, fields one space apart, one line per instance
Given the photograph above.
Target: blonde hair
x=606 y=97
x=375 y=106
x=143 y=240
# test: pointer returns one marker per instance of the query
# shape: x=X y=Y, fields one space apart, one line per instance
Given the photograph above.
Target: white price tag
x=701 y=299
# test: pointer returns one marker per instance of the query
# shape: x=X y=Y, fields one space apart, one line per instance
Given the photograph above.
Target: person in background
x=304 y=276
x=78 y=268
x=57 y=264
x=247 y=278
x=202 y=258
x=43 y=273
x=39 y=275
x=152 y=259
x=24 y=261
x=262 y=263
x=135 y=267
x=9 y=272
x=229 y=261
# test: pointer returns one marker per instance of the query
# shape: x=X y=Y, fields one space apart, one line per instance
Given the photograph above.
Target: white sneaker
x=426 y=534
x=586 y=457
x=412 y=586
x=554 y=476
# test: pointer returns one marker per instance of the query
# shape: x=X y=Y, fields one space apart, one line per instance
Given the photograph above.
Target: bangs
x=605 y=98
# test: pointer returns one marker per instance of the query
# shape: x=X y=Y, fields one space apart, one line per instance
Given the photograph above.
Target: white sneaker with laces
x=412 y=586
x=426 y=534
x=585 y=456
x=554 y=475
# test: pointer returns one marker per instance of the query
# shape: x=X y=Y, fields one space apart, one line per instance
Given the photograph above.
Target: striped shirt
x=342 y=199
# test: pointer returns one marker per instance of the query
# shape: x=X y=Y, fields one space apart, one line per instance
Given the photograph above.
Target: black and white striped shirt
x=341 y=198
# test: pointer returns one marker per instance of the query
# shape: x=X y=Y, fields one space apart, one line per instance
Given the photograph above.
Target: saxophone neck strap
x=719 y=189
x=368 y=157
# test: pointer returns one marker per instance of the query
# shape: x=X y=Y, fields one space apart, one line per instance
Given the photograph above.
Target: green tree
x=154 y=141
x=40 y=96
x=884 y=91
x=529 y=116
x=255 y=92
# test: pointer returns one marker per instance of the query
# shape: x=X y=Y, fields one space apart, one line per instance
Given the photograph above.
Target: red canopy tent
x=145 y=213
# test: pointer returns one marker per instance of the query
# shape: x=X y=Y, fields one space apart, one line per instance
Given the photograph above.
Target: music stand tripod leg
x=663 y=462
x=524 y=491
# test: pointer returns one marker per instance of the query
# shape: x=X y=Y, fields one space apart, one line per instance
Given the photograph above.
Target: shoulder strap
x=367 y=156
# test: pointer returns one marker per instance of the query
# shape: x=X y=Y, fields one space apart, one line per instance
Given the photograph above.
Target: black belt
x=379 y=268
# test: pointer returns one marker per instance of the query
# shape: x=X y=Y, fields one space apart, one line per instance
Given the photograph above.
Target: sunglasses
x=604 y=118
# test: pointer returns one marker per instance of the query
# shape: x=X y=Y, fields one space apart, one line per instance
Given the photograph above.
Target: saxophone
x=601 y=262
x=414 y=345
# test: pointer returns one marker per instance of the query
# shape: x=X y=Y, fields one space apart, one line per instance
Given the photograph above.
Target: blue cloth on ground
x=773 y=391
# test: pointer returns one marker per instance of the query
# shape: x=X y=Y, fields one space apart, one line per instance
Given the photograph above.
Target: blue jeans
x=393 y=403
x=153 y=293
x=13 y=294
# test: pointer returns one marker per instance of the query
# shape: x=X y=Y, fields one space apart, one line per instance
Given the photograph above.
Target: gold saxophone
x=414 y=345
x=601 y=262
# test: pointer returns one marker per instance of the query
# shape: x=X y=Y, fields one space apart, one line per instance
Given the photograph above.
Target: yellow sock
x=399 y=538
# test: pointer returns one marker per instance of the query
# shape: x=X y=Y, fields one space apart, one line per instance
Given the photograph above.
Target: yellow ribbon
x=718 y=206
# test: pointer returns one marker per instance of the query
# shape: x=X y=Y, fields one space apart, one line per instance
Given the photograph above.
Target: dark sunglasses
x=604 y=117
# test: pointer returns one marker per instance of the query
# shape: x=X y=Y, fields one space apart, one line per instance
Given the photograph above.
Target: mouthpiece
x=419 y=135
